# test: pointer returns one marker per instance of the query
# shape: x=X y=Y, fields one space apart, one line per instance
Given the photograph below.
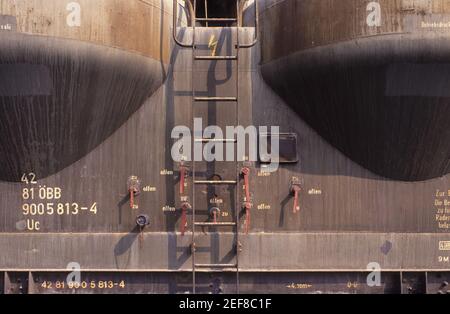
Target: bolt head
x=142 y=220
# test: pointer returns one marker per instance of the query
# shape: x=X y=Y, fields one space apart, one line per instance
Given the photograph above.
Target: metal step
x=216 y=140
x=215 y=19
x=215 y=265
x=215 y=224
x=216 y=57
x=215 y=182
x=215 y=99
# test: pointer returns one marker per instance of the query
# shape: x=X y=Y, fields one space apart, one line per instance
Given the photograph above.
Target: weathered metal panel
x=438 y=282
x=154 y=251
x=213 y=283
x=384 y=66
x=137 y=26
x=16 y=282
x=73 y=95
x=2 y=282
x=219 y=282
x=312 y=23
x=73 y=73
x=348 y=218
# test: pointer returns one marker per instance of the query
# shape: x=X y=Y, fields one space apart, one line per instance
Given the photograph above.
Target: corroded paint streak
x=311 y=23
x=138 y=26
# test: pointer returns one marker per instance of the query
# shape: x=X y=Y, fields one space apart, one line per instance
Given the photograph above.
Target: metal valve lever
x=133 y=185
x=183 y=175
x=295 y=191
x=247 y=203
x=132 y=194
x=185 y=206
x=214 y=213
x=247 y=219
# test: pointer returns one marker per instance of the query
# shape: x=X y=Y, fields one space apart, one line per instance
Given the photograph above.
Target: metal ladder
x=214 y=99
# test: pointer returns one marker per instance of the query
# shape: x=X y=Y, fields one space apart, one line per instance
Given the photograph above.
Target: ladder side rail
x=193 y=248
x=174 y=26
x=206 y=13
x=237 y=193
x=255 y=39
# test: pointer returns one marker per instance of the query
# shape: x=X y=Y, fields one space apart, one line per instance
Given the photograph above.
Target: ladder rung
x=215 y=19
x=215 y=57
x=215 y=98
x=218 y=140
x=215 y=182
x=216 y=265
x=215 y=224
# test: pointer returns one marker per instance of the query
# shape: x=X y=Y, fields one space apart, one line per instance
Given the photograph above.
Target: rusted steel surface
x=50 y=282
x=336 y=194
x=374 y=86
x=67 y=87
x=313 y=23
x=349 y=216
x=214 y=283
x=261 y=252
x=140 y=26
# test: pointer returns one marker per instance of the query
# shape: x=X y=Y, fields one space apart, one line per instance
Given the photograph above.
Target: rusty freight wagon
x=353 y=95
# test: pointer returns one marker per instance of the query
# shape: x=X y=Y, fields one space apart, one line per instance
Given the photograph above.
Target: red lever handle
x=214 y=212
x=247 y=205
x=247 y=220
x=182 y=176
x=133 y=186
x=246 y=172
x=296 y=190
x=184 y=208
x=132 y=191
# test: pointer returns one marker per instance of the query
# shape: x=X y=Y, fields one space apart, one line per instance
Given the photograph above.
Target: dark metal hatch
x=287 y=148
x=216 y=9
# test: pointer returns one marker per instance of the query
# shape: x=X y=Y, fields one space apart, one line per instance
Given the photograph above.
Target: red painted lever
x=132 y=192
x=247 y=219
x=182 y=176
x=133 y=186
x=247 y=204
x=184 y=208
x=246 y=172
x=296 y=190
x=214 y=212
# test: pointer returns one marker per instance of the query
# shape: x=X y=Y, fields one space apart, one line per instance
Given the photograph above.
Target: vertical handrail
x=193 y=149
x=255 y=40
x=237 y=121
x=175 y=16
x=174 y=28
x=206 y=13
